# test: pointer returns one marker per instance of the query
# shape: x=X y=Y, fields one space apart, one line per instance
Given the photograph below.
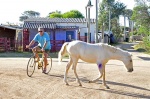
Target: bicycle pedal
x=39 y=66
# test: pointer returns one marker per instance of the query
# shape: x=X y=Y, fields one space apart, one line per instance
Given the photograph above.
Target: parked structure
x=9 y=38
x=60 y=29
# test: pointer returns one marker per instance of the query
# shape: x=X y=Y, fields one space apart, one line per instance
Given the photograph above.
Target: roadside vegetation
x=22 y=54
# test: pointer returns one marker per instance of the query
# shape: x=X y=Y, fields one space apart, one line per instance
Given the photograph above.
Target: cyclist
x=44 y=45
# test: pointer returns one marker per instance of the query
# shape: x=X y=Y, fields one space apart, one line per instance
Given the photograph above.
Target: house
x=65 y=29
x=8 y=37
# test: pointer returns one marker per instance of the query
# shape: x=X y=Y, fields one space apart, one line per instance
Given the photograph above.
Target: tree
x=141 y=16
x=69 y=14
x=55 y=14
x=128 y=13
x=28 y=14
x=73 y=14
x=141 y=2
x=116 y=9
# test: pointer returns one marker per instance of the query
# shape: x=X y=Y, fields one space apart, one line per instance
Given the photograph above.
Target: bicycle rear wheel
x=49 y=65
x=31 y=66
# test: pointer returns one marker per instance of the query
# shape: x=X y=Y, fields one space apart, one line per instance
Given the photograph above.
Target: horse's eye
x=130 y=60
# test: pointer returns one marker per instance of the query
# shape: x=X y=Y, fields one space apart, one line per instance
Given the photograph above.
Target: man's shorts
x=38 y=48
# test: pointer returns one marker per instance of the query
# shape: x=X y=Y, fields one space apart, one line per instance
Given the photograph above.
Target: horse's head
x=128 y=62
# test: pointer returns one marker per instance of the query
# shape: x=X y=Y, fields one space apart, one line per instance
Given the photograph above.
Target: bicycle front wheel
x=31 y=66
x=49 y=65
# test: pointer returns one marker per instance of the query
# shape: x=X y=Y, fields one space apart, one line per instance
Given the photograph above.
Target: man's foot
x=44 y=71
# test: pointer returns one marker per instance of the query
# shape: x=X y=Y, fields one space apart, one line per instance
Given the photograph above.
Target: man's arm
x=31 y=43
x=44 y=45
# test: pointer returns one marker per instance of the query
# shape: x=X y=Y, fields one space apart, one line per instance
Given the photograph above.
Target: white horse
x=93 y=53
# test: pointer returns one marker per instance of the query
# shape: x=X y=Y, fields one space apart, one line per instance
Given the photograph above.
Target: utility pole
x=88 y=34
x=89 y=5
x=102 y=39
x=109 y=20
x=132 y=25
x=96 y=21
x=124 y=28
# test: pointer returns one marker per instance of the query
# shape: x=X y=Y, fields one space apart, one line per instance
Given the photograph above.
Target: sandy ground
x=14 y=82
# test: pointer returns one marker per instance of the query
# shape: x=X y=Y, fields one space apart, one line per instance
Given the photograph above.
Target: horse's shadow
x=115 y=91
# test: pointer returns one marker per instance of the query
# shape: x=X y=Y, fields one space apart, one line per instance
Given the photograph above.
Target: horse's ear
x=131 y=54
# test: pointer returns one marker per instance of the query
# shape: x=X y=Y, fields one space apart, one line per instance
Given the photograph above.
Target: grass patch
x=141 y=48
x=22 y=54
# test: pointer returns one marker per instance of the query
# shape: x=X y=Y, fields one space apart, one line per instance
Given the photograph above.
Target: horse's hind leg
x=66 y=71
x=104 y=82
x=75 y=61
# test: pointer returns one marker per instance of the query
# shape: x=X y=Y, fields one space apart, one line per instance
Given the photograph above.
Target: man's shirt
x=42 y=39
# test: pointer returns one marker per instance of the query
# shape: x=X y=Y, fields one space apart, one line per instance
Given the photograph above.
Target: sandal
x=44 y=71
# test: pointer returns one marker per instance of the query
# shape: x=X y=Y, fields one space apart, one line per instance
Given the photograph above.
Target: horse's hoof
x=80 y=85
x=67 y=84
x=107 y=87
x=90 y=81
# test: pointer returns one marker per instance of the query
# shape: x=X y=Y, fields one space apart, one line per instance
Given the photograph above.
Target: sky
x=11 y=10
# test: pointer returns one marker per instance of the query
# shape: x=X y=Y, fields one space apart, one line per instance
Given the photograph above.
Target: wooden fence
x=9 y=45
x=14 y=45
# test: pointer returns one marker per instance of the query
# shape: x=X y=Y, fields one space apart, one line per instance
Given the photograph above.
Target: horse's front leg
x=66 y=71
x=101 y=70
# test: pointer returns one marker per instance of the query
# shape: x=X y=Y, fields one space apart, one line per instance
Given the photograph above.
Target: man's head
x=41 y=30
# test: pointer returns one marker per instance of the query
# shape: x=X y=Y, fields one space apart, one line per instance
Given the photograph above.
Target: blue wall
x=33 y=32
x=59 y=34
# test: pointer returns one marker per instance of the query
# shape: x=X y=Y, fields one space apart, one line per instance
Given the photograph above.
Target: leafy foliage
x=116 y=9
x=141 y=15
x=69 y=14
x=55 y=15
x=28 y=14
x=73 y=14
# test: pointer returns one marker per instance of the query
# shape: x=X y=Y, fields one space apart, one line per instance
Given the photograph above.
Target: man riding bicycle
x=43 y=45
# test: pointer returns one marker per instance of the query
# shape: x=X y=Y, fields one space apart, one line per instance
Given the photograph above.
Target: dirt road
x=14 y=83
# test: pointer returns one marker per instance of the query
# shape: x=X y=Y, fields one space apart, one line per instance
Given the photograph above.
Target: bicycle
x=32 y=64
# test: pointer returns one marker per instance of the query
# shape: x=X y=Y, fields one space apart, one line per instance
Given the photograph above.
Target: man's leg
x=45 y=61
x=35 y=50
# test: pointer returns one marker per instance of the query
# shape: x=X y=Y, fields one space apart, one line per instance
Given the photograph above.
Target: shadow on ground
x=144 y=58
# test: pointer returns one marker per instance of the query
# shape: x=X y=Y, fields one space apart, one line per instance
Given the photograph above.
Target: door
x=25 y=39
x=86 y=37
x=70 y=36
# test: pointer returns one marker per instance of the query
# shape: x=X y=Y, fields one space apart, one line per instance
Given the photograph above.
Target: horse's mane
x=113 y=48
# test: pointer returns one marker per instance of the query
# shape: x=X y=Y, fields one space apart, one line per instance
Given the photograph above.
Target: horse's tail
x=62 y=52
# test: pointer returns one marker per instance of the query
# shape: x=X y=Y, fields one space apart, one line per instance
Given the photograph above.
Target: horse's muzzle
x=130 y=70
